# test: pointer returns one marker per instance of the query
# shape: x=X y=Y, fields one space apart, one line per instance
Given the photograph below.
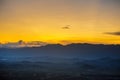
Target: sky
x=60 y=21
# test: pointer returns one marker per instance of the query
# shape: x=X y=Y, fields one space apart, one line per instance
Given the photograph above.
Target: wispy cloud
x=113 y=33
x=66 y=27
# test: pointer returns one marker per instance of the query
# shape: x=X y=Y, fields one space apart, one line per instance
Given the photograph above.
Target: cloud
x=113 y=33
x=66 y=27
x=21 y=44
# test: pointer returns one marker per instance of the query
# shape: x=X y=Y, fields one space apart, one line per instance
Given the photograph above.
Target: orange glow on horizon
x=43 y=20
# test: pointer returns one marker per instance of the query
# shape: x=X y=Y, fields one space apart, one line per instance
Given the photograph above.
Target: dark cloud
x=2 y=3
x=117 y=1
x=113 y=33
x=66 y=27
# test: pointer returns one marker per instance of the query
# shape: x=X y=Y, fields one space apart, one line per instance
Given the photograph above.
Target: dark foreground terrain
x=73 y=70
x=56 y=62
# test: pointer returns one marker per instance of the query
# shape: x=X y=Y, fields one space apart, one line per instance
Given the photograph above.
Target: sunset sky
x=60 y=21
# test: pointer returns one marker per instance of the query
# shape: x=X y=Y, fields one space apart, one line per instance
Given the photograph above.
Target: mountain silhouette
x=81 y=50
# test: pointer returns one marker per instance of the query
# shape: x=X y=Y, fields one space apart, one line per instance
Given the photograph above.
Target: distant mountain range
x=71 y=50
x=23 y=44
x=87 y=58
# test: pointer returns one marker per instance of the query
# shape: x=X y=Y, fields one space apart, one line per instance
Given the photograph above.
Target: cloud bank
x=21 y=44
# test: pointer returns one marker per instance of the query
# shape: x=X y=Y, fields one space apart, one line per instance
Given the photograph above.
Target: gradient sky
x=63 y=21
